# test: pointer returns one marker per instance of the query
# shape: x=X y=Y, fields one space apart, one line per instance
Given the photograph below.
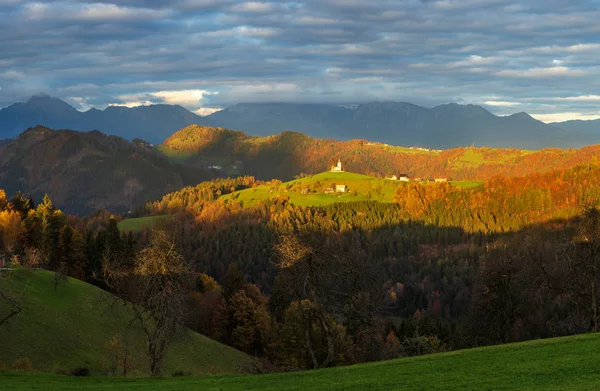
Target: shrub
x=21 y=364
x=180 y=373
x=80 y=371
x=2 y=366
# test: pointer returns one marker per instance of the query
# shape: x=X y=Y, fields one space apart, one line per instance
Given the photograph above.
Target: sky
x=538 y=56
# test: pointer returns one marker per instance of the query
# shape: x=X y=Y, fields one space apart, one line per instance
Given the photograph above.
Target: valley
x=376 y=252
x=303 y=195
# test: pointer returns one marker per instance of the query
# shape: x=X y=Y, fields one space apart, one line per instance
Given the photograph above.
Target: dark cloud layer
x=536 y=56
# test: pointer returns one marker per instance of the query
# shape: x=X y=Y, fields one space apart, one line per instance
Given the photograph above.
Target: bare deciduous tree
x=10 y=297
x=156 y=291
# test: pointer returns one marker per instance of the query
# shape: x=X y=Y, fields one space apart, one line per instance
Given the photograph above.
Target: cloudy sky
x=539 y=56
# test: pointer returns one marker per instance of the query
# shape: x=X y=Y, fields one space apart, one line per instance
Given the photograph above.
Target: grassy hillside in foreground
x=310 y=191
x=71 y=328
x=569 y=363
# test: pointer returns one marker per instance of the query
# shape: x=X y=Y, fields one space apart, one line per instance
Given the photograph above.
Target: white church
x=338 y=167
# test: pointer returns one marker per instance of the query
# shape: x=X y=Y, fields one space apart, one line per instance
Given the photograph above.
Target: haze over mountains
x=397 y=123
x=579 y=126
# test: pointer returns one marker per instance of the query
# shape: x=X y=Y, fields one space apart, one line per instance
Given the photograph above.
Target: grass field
x=411 y=151
x=569 y=363
x=472 y=158
x=139 y=223
x=309 y=191
x=174 y=154
x=71 y=328
x=466 y=184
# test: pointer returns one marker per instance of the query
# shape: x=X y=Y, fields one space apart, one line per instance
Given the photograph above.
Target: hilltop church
x=337 y=168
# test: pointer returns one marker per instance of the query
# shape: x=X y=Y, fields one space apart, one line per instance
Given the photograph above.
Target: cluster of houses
x=405 y=178
x=401 y=177
x=238 y=165
x=425 y=149
x=338 y=189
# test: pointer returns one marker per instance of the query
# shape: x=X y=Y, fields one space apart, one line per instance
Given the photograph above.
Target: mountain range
x=581 y=126
x=397 y=123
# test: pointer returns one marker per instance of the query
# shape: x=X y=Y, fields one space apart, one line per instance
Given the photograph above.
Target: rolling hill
x=399 y=123
x=320 y=189
x=87 y=171
x=567 y=363
x=289 y=154
x=84 y=172
x=72 y=326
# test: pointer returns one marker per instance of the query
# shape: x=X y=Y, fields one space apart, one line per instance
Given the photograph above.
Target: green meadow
x=71 y=327
x=139 y=223
x=569 y=363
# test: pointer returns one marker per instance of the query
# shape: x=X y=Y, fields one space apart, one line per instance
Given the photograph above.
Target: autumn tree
x=44 y=223
x=207 y=308
x=309 y=338
x=163 y=278
x=330 y=274
x=248 y=320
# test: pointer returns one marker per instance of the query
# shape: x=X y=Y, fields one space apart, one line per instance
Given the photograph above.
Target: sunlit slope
x=321 y=189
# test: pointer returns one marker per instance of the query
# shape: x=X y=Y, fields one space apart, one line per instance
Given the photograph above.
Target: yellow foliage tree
x=11 y=228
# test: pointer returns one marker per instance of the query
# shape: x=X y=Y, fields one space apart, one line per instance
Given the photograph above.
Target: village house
x=328 y=190
x=340 y=188
x=440 y=180
x=403 y=178
x=392 y=178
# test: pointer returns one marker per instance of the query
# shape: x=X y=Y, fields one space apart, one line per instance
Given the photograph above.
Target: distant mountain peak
x=522 y=115
x=47 y=103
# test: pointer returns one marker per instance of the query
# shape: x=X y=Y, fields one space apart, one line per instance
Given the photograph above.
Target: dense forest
x=302 y=287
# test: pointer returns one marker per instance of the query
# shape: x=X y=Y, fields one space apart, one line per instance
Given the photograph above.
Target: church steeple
x=338 y=167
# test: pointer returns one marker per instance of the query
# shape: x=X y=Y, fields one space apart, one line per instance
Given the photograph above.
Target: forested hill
x=455 y=267
x=84 y=172
x=289 y=154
